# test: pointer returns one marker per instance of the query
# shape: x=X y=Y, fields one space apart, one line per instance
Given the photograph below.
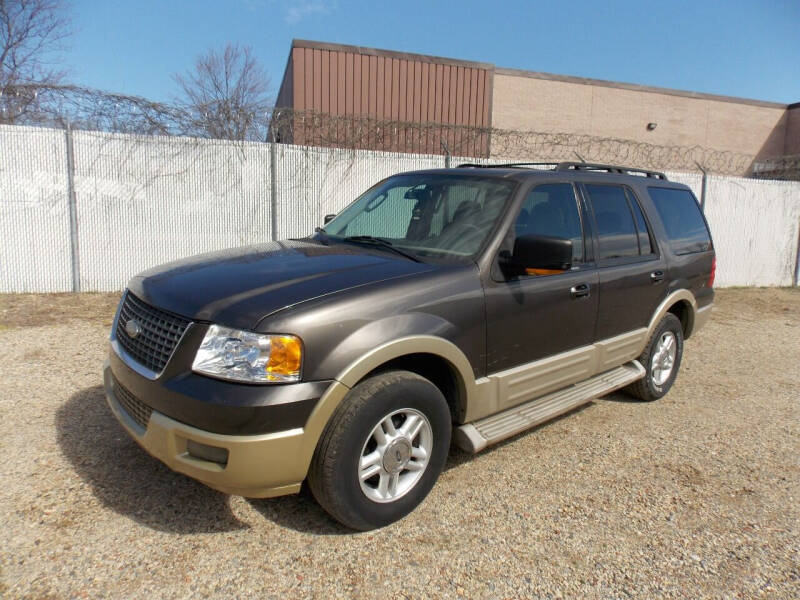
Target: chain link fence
x=87 y=210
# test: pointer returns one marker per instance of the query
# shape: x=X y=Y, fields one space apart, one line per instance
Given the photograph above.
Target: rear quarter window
x=682 y=219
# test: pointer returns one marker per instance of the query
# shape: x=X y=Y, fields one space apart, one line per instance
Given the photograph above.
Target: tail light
x=713 y=272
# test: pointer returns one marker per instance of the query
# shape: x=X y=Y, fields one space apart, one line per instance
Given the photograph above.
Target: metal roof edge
x=297 y=43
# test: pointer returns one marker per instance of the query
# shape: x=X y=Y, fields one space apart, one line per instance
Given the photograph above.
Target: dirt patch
x=37 y=310
x=692 y=496
x=752 y=303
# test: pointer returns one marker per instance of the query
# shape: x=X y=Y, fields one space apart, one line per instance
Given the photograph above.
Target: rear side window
x=616 y=230
x=680 y=214
x=641 y=225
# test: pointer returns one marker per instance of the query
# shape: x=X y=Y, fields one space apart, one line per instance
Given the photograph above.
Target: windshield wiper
x=378 y=241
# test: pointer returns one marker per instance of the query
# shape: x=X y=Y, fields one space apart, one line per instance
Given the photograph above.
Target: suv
x=471 y=303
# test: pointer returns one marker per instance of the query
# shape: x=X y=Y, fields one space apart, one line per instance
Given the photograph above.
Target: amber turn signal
x=284 y=357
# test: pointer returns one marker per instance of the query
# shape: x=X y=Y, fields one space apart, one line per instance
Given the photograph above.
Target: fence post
x=796 y=278
x=703 y=188
x=273 y=186
x=73 y=212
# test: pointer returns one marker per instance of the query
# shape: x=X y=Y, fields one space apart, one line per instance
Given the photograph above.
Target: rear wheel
x=661 y=359
x=382 y=450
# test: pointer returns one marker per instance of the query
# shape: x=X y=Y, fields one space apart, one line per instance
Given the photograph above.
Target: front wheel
x=382 y=450
x=661 y=359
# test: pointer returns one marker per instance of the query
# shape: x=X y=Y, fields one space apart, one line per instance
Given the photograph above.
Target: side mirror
x=328 y=219
x=543 y=253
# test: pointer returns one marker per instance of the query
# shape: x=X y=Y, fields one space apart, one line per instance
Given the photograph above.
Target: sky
x=736 y=48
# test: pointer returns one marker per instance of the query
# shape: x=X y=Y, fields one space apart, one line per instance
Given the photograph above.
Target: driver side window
x=552 y=210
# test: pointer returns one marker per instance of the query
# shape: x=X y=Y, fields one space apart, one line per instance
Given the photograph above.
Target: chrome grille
x=136 y=409
x=158 y=335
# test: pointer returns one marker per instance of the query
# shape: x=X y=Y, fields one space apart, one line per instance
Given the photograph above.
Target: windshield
x=428 y=215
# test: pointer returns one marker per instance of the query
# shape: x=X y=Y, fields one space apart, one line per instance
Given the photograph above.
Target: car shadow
x=129 y=481
x=458 y=456
x=299 y=512
x=132 y=483
x=620 y=396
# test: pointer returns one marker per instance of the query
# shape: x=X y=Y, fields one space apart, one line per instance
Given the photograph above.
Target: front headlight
x=247 y=356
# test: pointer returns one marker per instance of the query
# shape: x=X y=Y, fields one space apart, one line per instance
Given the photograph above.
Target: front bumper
x=258 y=466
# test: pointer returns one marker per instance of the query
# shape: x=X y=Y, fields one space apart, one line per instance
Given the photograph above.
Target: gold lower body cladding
x=475 y=436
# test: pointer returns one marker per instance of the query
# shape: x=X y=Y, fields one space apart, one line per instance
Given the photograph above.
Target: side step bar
x=475 y=436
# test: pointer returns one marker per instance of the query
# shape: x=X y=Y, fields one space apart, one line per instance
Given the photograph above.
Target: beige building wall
x=550 y=103
x=792 y=142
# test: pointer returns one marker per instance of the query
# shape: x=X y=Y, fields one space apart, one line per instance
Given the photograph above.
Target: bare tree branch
x=31 y=36
x=225 y=96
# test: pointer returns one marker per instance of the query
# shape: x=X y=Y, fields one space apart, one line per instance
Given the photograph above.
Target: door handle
x=580 y=290
x=657 y=276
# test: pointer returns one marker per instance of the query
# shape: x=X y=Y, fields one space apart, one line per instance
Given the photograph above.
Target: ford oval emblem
x=132 y=328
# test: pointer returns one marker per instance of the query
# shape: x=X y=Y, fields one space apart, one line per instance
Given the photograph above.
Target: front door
x=531 y=317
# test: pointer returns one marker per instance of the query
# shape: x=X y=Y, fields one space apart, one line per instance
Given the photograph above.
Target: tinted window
x=686 y=229
x=641 y=225
x=616 y=231
x=552 y=210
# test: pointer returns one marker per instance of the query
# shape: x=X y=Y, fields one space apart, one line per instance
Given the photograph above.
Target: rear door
x=631 y=270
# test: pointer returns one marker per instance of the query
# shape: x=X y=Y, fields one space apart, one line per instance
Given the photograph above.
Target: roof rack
x=574 y=166
x=581 y=166
x=553 y=163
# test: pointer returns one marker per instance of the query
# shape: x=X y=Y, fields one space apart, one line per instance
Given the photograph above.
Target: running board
x=475 y=436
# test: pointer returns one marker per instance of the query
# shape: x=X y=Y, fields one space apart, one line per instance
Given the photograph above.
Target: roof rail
x=567 y=166
x=581 y=166
x=553 y=163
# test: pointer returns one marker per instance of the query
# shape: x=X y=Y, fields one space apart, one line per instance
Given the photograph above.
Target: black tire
x=334 y=473
x=648 y=388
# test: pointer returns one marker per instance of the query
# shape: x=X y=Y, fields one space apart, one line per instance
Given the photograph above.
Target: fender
x=413 y=344
x=370 y=345
x=356 y=370
x=663 y=309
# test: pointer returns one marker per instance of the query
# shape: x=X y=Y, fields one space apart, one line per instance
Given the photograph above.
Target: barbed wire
x=619 y=151
x=357 y=132
x=782 y=167
x=86 y=108
x=89 y=109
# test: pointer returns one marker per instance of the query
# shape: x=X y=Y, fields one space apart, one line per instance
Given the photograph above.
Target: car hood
x=241 y=286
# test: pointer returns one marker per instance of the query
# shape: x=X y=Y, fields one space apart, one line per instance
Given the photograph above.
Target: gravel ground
x=692 y=496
